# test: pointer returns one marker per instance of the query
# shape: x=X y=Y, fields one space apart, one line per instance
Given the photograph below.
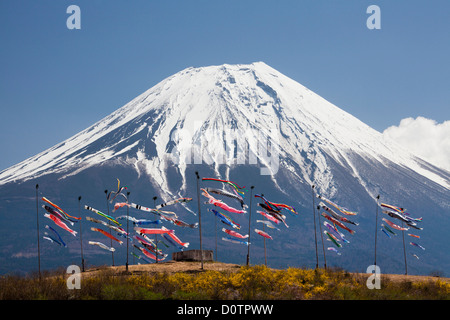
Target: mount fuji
x=245 y=123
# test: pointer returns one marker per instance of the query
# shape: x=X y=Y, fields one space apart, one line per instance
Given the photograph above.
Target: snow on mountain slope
x=226 y=115
x=248 y=123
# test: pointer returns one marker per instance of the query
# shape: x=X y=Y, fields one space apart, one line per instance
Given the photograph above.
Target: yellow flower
x=443 y=285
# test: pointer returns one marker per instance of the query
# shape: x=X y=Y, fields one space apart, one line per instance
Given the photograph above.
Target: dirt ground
x=168 y=267
x=411 y=278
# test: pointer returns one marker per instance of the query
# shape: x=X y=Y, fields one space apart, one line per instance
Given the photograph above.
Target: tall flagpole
x=404 y=250
x=264 y=241
x=128 y=196
x=249 y=220
x=81 y=237
x=265 y=249
x=376 y=229
x=315 y=232
x=37 y=229
x=321 y=237
x=215 y=235
x=107 y=208
x=199 y=218
x=156 y=236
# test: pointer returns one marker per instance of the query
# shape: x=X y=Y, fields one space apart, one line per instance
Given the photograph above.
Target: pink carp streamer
x=268 y=216
x=60 y=224
x=150 y=245
x=147 y=253
x=277 y=205
x=341 y=209
x=118 y=229
x=168 y=203
x=395 y=208
x=231 y=183
x=101 y=245
x=336 y=222
x=334 y=249
x=220 y=204
x=234 y=240
x=176 y=239
x=393 y=225
x=153 y=230
x=120 y=205
x=235 y=234
x=264 y=234
x=335 y=215
x=417 y=245
x=163 y=230
x=179 y=222
x=106 y=234
x=61 y=210
x=154 y=211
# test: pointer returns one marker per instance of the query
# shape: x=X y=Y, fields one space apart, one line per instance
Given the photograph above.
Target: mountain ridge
x=245 y=123
x=280 y=114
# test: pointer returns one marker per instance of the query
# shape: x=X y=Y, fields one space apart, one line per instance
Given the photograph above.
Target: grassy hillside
x=219 y=281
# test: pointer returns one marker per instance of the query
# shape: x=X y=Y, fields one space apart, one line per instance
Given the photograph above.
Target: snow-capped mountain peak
x=229 y=114
x=254 y=126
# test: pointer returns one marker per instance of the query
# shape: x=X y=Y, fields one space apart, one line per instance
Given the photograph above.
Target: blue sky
x=55 y=82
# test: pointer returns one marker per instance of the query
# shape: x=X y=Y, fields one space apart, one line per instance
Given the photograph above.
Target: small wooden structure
x=193 y=255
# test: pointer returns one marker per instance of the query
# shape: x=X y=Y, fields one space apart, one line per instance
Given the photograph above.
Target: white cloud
x=425 y=137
